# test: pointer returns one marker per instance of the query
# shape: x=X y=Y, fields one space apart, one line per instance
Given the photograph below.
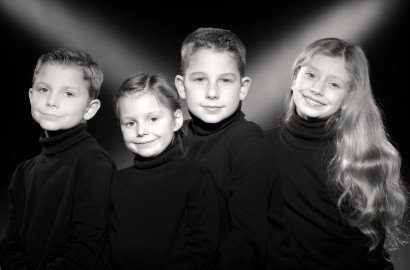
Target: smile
x=144 y=143
x=47 y=115
x=313 y=102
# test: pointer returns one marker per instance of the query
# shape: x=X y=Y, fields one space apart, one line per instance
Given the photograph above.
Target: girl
x=165 y=213
x=341 y=176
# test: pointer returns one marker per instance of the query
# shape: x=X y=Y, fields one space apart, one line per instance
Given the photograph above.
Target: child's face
x=147 y=126
x=59 y=98
x=212 y=85
x=320 y=89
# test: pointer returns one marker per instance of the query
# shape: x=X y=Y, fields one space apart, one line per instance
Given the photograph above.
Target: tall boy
x=59 y=200
x=234 y=149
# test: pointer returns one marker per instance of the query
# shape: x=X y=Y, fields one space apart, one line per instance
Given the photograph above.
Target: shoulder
x=244 y=131
x=273 y=133
x=91 y=151
x=23 y=168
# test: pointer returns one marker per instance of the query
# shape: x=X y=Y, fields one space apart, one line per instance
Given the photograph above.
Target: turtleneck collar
x=59 y=141
x=161 y=161
x=202 y=128
x=310 y=133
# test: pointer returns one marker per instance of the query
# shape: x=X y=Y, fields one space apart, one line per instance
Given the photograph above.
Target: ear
x=179 y=119
x=179 y=83
x=30 y=93
x=246 y=84
x=92 y=109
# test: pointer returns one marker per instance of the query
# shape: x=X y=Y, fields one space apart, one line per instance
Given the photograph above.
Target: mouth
x=211 y=107
x=313 y=102
x=48 y=115
x=144 y=143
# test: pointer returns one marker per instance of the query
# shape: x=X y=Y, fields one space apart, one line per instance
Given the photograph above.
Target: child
x=59 y=200
x=234 y=149
x=165 y=211
x=341 y=175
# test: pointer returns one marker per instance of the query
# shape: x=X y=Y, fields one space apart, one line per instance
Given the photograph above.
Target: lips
x=313 y=101
x=146 y=142
x=212 y=106
x=49 y=115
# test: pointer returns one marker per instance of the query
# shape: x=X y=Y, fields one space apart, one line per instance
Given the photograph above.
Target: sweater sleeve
x=203 y=223
x=245 y=244
x=12 y=253
x=90 y=216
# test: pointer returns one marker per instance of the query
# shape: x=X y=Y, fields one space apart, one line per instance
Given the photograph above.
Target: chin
x=50 y=127
x=212 y=119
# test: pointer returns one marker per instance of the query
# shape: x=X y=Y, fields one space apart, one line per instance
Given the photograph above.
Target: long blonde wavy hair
x=365 y=168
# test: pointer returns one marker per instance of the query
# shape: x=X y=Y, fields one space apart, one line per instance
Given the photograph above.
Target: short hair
x=77 y=58
x=217 y=39
x=157 y=84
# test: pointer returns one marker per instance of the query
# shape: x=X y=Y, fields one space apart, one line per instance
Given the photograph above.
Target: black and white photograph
x=205 y=135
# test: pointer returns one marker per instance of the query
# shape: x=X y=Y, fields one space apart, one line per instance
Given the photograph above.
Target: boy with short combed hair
x=59 y=200
x=213 y=83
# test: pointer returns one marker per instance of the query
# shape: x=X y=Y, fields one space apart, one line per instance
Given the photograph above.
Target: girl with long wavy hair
x=344 y=195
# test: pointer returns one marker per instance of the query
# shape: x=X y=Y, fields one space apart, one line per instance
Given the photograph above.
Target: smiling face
x=59 y=98
x=320 y=88
x=212 y=85
x=147 y=126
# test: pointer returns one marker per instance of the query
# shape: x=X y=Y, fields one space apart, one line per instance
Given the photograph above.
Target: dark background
x=126 y=37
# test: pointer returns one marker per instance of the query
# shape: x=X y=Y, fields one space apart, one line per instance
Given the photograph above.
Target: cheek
x=126 y=134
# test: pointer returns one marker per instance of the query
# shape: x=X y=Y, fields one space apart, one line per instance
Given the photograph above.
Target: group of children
x=321 y=191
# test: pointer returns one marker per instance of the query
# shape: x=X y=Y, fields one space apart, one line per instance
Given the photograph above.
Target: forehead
x=330 y=66
x=212 y=61
x=58 y=71
x=62 y=75
x=141 y=102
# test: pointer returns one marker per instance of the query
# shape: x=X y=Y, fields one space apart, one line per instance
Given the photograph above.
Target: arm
x=12 y=253
x=245 y=245
x=89 y=220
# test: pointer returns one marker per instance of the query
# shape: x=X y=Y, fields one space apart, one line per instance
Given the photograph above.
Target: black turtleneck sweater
x=236 y=153
x=164 y=214
x=59 y=205
x=302 y=150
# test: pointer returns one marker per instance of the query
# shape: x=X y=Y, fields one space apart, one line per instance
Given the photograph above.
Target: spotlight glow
x=270 y=71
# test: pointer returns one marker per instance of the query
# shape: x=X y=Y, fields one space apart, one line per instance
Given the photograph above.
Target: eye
x=310 y=75
x=225 y=81
x=200 y=80
x=69 y=94
x=153 y=119
x=334 y=85
x=129 y=124
x=42 y=90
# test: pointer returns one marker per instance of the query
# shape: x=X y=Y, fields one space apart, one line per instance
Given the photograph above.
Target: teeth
x=312 y=102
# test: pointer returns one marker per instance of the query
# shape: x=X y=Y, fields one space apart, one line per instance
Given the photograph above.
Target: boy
x=233 y=149
x=59 y=200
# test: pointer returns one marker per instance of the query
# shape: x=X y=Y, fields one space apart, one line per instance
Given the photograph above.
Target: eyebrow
x=331 y=75
x=155 y=113
x=204 y=73
x=64 y=87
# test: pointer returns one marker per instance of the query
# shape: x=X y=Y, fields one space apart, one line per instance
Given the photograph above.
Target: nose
x=212 y=92
x=317 y=89
x=141 y=130
x=52 y=100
